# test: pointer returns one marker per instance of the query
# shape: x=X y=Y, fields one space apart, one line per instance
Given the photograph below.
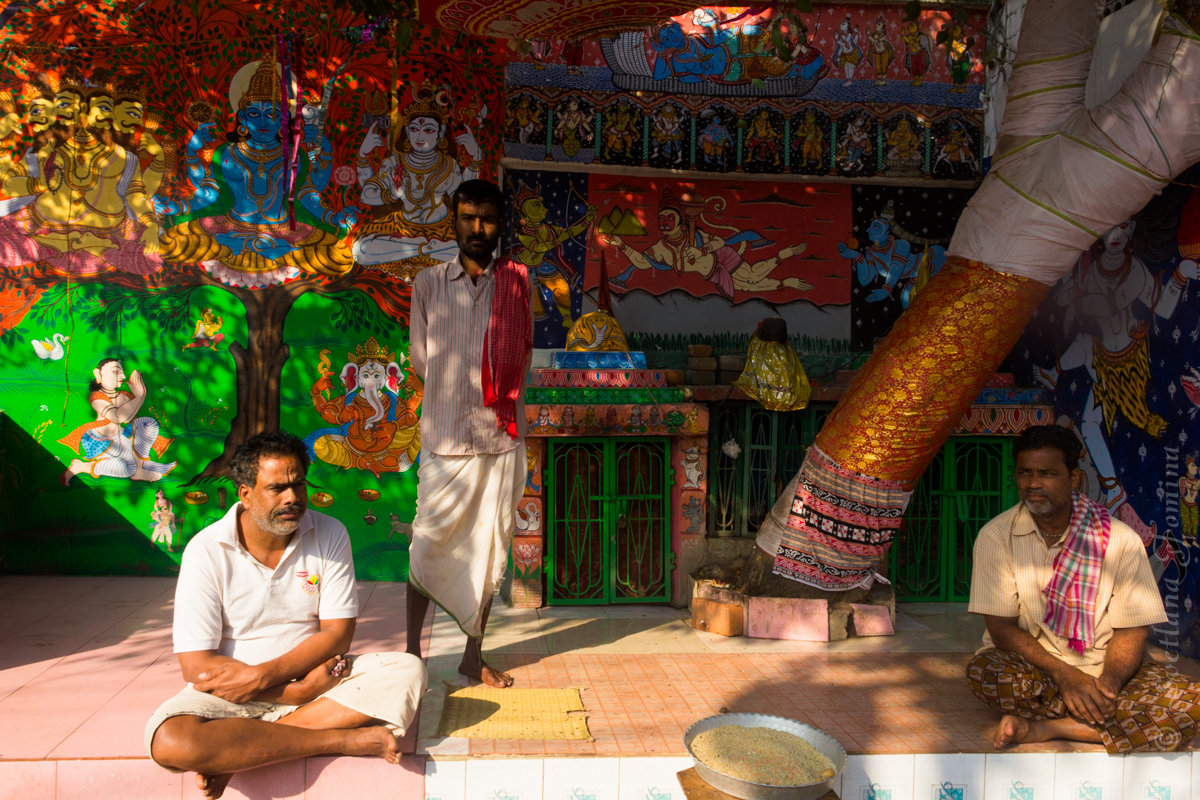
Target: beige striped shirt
x=1012 y=564
x=447 y=323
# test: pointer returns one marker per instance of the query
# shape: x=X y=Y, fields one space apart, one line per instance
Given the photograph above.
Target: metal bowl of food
x=726 y=763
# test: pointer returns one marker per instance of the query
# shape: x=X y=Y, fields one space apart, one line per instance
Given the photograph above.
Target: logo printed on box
x=1088 y=791
x=1158 y=791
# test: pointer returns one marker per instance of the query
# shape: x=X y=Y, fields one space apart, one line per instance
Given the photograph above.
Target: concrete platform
x=84 y=660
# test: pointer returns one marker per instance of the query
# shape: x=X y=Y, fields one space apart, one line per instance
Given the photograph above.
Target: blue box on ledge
x=599 y=359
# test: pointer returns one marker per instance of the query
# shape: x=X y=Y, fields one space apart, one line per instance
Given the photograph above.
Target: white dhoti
x=385 y=686
x=466 y=507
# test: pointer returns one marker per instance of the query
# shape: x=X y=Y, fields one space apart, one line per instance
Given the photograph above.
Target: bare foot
x=374 y=741
x=212 y=786
x=1013 y=730
x=495 y=678
x=71 y=471
x=485 y=674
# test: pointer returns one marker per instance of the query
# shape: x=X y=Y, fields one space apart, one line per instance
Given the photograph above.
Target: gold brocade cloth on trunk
x=922 y=378
x=857 y=478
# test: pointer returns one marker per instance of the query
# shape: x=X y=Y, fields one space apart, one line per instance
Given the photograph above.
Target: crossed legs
x=216 y=748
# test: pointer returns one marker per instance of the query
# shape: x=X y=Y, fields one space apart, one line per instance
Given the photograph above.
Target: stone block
x=728 y=376
x=701 y=377
x=871 y=620
x=788 y=618
x=706 y=363
x=839 y=622
x=700 y=350
x=716 y=616
x=676 y=377
x=732 y=362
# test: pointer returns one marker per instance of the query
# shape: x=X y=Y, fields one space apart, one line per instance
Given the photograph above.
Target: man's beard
x=125 y=138
x=1039 y=504
x=102 y=132
x=272 y=524
x=478 y=249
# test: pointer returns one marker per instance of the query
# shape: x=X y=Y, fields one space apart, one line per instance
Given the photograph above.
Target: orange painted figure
x=118 y=443
x=376 y=416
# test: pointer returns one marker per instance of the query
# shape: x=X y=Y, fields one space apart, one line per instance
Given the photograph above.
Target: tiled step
x=893 y=776
x=318 y=778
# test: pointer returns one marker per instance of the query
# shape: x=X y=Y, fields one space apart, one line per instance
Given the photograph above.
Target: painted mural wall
x=724 y=174
x=211 y=219
x=1117 y=345
x=209 y=226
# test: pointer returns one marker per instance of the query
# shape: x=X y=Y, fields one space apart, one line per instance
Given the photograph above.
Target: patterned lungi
x=1158 y=710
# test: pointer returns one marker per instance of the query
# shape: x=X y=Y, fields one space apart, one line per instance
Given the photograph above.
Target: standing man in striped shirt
x=1069 y=598
x=470 y=340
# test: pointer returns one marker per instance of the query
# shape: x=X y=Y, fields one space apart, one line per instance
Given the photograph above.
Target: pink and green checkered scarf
x=1071 y=593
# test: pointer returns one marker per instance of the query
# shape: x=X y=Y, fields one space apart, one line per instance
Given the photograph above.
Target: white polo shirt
x=228 y=601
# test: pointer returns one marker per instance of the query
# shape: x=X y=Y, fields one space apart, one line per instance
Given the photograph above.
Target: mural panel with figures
x=551 y=225
x=1115 y=344
x=203 y=238
x=734 y=239
x=898 y=242
x=811 y=93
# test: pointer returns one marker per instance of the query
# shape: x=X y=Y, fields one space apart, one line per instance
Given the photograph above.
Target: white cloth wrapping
x=771 y=531
x=385 y=686
x=466 y=507
x=1047 y=199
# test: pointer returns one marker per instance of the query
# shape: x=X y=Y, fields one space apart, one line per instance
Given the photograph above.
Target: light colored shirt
x=228 y=601
x=447 y=324
x=1012 y=565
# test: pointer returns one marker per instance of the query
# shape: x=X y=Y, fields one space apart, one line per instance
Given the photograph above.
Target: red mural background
x=754 y=240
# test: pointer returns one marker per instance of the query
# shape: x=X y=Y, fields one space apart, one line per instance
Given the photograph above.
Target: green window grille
x=969 y=482
x=742 y=490
x=608 y=521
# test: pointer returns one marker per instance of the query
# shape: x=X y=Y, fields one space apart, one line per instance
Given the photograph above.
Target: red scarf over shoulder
x=507 y=343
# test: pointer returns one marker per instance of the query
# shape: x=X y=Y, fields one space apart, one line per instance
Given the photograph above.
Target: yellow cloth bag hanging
x=774 y=376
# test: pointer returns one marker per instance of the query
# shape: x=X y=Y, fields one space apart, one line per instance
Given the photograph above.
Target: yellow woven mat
x=480 y=712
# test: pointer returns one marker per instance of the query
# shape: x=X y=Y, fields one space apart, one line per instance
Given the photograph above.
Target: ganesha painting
x=374 y=419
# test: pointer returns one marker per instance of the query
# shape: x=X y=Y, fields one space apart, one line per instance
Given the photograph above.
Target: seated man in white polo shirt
x=265 y=610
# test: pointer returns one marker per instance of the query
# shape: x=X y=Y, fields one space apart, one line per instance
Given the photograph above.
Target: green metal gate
x=742 y=490
x=608 y=537
x=969 y=482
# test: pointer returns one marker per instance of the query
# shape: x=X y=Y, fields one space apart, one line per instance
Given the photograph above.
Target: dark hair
x=477 y=192
x=772 y=329
x=243 y=467
x=1061 y=439
x=94 y=386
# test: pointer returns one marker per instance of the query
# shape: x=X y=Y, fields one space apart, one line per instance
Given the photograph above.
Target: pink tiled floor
x=84 y=661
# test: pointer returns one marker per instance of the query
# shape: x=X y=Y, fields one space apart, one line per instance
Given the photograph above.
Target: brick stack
x=702 y=365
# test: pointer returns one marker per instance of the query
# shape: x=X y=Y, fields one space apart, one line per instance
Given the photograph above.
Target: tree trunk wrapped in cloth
x=1063 y=175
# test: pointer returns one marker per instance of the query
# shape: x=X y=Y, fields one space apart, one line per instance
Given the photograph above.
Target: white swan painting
x=50 y=349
